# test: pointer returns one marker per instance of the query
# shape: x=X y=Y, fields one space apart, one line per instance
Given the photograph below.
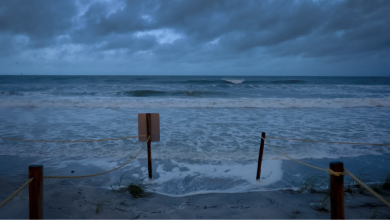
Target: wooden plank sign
x=154 y=129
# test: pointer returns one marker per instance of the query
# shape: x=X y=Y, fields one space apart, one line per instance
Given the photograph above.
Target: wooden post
x=36 y=191
x=260 y=156
x=337 y=192
x=148 y=128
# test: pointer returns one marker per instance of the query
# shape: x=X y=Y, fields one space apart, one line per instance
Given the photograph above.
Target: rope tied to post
x=331 y=172
x=318 y=168
x=16 y=192
x=368 y=188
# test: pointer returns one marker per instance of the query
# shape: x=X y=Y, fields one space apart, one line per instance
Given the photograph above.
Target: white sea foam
x=189 y=179
x=199 y=134
x=130 y=102
x=235 y=81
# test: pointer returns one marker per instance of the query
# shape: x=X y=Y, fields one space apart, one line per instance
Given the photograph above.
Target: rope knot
x=330 y=171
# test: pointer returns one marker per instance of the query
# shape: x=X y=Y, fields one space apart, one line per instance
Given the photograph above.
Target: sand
x=63 y=199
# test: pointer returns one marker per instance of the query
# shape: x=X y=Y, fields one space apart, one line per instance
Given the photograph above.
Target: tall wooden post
x=260 y=156
x=148 y=128
x=36 y=191
x=337 y=192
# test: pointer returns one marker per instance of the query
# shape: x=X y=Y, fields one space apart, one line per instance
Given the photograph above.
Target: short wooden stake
x=148 y=128
x=337 y=192
x=36 y=191
x=260 y=156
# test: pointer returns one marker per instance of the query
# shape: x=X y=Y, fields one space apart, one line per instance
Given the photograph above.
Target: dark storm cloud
x=200 y=30
x=41 y=21
x=310 y=28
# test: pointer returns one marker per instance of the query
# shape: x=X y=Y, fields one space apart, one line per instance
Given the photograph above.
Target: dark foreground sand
x=62 y=200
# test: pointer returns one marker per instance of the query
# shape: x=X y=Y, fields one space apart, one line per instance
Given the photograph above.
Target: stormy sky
x=195 y=37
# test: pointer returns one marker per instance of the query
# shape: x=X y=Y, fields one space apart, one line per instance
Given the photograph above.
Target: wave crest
x=129 y=102
x=234 y=81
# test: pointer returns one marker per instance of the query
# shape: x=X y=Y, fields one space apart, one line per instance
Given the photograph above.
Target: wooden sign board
x=154 y=130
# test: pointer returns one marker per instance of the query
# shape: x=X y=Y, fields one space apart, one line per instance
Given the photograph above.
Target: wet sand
x=63 y=200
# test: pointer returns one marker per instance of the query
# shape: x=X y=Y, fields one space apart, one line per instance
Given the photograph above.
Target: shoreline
x=63 y=200
x=174 y=180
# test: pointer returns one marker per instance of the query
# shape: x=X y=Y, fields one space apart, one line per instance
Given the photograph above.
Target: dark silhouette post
x=36 y=191
x=260 y=156
x=148 y=133
x=337 y=192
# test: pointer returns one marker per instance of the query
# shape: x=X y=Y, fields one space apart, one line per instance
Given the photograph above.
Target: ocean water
x=210 y=126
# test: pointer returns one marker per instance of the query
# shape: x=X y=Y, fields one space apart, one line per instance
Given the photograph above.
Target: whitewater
x=210 y=126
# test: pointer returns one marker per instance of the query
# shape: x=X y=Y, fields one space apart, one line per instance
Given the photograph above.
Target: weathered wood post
x=149 y=128
x=337 y=192
x=36 y=191
x=148 y=133
x=260 y=156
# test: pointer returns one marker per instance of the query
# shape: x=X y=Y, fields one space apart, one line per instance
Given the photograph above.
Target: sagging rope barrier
x=31 y=179
x=112 y=139
x=291 y=139
x=318 y=168
x=368 y=188
x=329 y=142
x=16 y=192
x=330 y=171
x=101 y=172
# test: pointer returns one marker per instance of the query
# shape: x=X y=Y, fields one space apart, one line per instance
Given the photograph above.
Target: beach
x=63 y=200
x=85 y=198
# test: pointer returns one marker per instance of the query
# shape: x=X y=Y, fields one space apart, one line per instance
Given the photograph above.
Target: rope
x=335 y=173
x=318 y=168
x=15 y=139
x=368 y=188
x=102 y=172
x=325 y=141
x=16 y=192
x=330 y=171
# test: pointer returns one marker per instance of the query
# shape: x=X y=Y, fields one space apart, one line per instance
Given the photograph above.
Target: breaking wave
x=137 y=102
x=153 y=93
x=288 y=81
x=234 y=81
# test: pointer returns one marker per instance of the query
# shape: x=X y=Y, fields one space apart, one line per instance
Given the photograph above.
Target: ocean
x=210 y=128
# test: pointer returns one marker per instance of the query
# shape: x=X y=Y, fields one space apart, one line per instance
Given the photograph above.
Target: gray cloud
x=40 y=21
x=201 y=31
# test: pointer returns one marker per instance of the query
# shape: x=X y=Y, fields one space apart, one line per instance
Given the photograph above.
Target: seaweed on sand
x=137 y=188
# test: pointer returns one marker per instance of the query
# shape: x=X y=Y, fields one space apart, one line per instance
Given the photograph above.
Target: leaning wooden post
x=260 y=156
x=148 y=127
x=36 y=191
x=337 y=192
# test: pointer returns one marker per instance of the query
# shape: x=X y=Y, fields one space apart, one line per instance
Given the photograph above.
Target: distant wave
x=74 y=93
x=201 y=81
x=218 y=81
x=242 y=81
x=288 y=81
x=141 y=93
x=234 y=81
x=172 y=102
x=131 y=93
x=199 y=93
x=153 y=93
